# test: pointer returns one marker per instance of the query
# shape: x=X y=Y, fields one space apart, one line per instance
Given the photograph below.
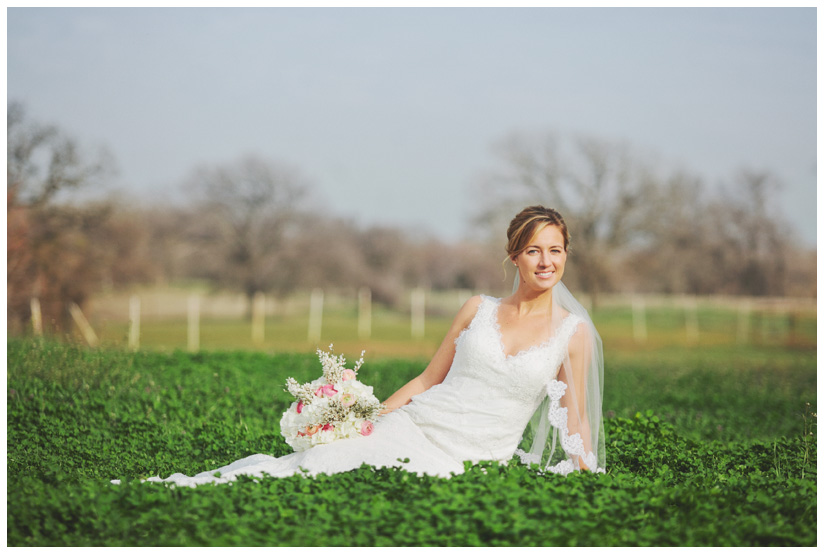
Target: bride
x=515 y=376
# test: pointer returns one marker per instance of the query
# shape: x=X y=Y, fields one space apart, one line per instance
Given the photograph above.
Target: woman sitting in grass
x=519 y=376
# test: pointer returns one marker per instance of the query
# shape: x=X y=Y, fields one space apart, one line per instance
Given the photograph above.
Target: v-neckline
x=538 y=346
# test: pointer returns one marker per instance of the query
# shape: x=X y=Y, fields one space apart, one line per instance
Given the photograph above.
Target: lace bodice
x=487 y=398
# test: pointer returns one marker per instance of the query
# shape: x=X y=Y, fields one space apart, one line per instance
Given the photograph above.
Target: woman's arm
x=578 y=350
x=440 y=364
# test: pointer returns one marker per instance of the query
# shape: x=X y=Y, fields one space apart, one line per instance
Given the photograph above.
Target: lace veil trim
x=574 y=397
x=573 y=445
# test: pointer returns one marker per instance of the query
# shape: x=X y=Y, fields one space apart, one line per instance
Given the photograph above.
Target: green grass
x=705 y=446
x=391 y=337
x=666 y=328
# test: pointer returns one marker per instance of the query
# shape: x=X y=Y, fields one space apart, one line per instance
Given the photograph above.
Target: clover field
x=705 y=447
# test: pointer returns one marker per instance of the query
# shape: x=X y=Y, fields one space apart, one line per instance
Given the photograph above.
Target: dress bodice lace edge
x=559 y=332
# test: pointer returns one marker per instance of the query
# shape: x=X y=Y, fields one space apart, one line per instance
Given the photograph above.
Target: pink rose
x=347 y=375
x=327 y=427
x=347 y=399
x=327 y=390
x=300 y=406
x=366 y=428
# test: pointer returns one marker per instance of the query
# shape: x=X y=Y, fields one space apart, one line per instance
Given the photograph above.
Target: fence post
x=37 y=317
x=691 y=320
x=258 y=317
x=193 y=321
x=364 y=313
x=316 y=312
x=639 y=320
x=417 y=311
x=83 y=324
x=134 y=323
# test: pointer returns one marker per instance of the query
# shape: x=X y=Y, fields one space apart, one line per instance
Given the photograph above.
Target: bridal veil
x=566 y=433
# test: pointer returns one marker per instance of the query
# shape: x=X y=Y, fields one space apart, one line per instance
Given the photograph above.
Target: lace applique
x=527 y=458
x=564 y=467
x=573 y=445
x=555 y=390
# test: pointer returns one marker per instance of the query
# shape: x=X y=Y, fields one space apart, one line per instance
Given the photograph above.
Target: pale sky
x=392 y=113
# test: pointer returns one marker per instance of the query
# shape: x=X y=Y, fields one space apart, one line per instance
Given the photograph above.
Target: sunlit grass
x=705 y=446
x=665 y=328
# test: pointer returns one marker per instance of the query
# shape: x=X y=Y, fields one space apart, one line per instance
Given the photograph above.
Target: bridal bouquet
x=335 y=406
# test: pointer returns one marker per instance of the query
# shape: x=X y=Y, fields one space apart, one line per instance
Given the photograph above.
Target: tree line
x=638 y=227
x=250 y=225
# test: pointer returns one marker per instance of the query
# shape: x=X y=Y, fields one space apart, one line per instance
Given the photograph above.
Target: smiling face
x=541 y=264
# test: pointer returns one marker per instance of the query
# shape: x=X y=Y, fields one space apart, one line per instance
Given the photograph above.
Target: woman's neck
x=527 y=302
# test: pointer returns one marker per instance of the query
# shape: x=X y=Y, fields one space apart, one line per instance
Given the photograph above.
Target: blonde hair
x=530 y=221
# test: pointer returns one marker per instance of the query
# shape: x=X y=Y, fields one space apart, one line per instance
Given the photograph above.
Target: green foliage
x=722 y=394
x=78 y=418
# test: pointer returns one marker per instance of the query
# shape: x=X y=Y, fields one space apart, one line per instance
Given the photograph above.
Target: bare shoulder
x=580 y=339
x=467 y=312
x=463 y=319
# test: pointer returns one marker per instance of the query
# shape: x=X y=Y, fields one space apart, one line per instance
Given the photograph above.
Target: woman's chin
x=543 y=286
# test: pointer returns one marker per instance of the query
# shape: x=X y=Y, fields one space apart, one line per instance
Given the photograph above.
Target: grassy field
x=221 y=327
x=712 y=444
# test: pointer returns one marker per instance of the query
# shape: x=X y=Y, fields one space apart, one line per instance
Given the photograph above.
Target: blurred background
x=281 y=178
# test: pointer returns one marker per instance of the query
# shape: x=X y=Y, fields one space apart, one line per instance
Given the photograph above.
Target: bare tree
x=168 y=243
x=244 y=209
x=681 y=243
x=731 y=242
x=49 y=253
x=322 y=252
x=758 y=234
x=41 y=162
x=604 y=193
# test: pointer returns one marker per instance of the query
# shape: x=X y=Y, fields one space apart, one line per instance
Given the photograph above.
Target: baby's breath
x=333 y=365
x=302 y=392
x=365 y=409
x=335 y=412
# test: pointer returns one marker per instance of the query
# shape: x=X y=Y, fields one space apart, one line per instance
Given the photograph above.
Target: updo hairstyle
x=530 y=221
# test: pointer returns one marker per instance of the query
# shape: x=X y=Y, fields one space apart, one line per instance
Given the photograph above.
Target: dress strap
x=568 y=327
x=486 y=311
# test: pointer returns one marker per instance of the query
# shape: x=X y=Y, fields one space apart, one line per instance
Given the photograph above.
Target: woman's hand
x=403 y=395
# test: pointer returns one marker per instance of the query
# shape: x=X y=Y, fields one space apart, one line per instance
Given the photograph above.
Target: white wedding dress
x=478 y=413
